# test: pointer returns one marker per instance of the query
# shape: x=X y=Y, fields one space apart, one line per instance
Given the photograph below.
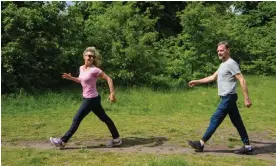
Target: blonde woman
x=89 y=73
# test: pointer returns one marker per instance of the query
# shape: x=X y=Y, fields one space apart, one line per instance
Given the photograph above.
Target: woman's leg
x=82 y=112
x=100 y=113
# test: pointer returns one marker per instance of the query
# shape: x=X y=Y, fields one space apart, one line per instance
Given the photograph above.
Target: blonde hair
x=97 y=57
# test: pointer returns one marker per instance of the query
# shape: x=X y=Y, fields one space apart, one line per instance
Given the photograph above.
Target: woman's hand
x=112 y=98
x=67 y=76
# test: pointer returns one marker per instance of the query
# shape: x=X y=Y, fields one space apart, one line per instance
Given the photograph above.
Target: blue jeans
x=88 y=105
x=228 y=106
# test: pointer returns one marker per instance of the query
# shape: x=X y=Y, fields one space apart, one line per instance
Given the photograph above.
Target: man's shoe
x=244 y=150
x=57 y=142
x=113 y=143
x=196 y=145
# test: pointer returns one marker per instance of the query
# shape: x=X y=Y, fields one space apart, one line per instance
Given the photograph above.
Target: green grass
x=55 y=157
x=178 y=115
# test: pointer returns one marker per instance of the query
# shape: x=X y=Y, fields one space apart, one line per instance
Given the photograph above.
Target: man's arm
x=204 y=80
x=247 y=100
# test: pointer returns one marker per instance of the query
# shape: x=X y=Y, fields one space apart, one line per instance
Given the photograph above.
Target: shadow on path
x=265 y=147
x=128 y=142
x=259 y=148
x=220 y=151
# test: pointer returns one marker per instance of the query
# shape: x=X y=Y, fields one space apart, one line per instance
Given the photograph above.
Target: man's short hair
x=224 y=43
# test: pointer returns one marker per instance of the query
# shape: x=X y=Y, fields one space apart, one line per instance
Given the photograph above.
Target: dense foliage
x=142 y=43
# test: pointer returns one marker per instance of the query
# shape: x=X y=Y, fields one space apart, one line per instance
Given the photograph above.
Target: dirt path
x=158 y=145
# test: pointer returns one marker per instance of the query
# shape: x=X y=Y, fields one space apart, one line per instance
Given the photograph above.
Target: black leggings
x=94 y=105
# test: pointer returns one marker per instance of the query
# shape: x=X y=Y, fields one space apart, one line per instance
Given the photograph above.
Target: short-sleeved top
x=88 y=78
x=226 y=77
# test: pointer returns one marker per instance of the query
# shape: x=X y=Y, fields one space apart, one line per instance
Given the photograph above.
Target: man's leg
x=238 y=123
x=215 y=121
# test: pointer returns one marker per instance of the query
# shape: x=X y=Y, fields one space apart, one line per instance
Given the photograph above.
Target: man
x=227 y=75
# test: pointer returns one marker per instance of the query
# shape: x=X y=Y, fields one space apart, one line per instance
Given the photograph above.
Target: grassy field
x=141 y=113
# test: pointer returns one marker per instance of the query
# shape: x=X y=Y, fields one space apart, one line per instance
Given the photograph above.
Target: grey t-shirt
x=226 y=77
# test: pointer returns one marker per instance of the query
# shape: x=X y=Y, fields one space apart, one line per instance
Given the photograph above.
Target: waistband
x=228 y=95
x=91 y=98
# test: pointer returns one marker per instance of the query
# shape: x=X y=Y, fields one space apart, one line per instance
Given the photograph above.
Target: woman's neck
x=87 y=66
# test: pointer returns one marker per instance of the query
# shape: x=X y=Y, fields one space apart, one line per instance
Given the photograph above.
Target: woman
x=89 y=72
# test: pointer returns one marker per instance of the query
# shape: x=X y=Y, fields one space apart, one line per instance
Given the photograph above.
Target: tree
x=31 y=37
x=125 y=38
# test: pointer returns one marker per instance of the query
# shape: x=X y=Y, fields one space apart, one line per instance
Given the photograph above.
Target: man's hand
x=193 y=83
x=247 y=103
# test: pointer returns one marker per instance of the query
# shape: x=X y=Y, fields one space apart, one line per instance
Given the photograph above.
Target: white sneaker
x=114 y=142
x=57 y=142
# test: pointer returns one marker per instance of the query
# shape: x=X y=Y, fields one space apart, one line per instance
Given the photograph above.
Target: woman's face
x=89 y=58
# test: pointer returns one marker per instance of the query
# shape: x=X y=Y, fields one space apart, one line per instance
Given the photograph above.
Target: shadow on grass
x=128 y=142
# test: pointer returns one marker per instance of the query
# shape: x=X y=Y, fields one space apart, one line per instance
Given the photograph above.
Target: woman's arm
x=69 y=77
x=111 y=97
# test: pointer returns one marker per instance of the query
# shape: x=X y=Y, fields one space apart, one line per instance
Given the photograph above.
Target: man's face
x=223 y=52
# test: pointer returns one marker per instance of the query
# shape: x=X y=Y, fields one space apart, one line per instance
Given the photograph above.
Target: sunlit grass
x=177 y=115
x=29 y=156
